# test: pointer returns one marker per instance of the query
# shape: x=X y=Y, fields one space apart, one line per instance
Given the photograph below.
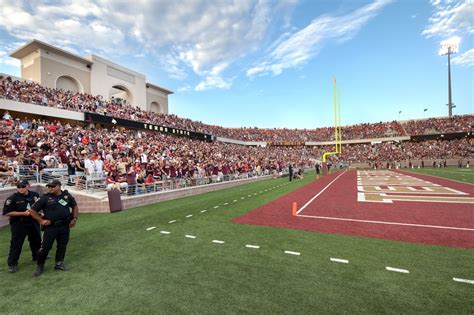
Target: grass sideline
x=463 y=175
x=117 y=266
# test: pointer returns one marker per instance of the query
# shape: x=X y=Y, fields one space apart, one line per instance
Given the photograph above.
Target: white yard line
x=388 y=223
x=397 y=270
x=463 y=280
x=316 y=196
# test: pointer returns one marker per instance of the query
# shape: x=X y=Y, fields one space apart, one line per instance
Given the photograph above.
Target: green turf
x=464 y=175
x=116 y=266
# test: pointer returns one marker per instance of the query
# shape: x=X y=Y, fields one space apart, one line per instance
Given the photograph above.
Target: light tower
x=448 y=47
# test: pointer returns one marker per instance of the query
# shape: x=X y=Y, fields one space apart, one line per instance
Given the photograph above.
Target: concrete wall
x=52 y=69
x=153 y=95
x=89 y=203
x=105 y=75
x=31 y=67
x=40 y=110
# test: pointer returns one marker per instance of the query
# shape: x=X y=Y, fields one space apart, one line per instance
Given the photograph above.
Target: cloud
x=213 y=82
x=450 y=17
x=466 y=59
x=184 y=88
x=297 y=48
x=200 y=36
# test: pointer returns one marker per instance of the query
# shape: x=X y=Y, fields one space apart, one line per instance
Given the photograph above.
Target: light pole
x=448 y=47
x=399 y=112
x=424 y=112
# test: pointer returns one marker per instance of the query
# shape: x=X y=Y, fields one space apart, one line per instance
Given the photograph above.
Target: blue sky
x=268 y=63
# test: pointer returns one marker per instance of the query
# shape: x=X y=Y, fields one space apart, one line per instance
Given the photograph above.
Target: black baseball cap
x=22 y=183
x=53 y=183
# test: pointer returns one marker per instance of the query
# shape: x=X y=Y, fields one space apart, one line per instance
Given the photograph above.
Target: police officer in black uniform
x=290 y=171
x=57 y=221
x=22 y=224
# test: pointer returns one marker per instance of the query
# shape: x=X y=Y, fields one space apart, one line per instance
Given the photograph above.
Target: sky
x=268 y=64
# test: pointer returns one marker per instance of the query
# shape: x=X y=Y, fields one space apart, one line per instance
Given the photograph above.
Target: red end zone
x=398 y=206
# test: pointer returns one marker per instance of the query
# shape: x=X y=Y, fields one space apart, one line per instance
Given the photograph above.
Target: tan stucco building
x=57 y=68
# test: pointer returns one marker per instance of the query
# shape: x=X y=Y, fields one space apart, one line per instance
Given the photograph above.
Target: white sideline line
x=344 y=261
x=397 y=270
x=312 y=199
x=165 y=232
x=252 y=246
x=388 y=223
x=202 y=211
x=216 y=207
x=292 y=253
x=234 y=200
x=218 y=242
x=242 y=197
x=189 y=215
x=172 y=221
x=225 y=204
x=151 y=228
x=190 y=236
x=463 y=280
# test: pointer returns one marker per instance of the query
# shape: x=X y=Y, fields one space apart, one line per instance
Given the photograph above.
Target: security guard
x=57 y=220
x=21 y=223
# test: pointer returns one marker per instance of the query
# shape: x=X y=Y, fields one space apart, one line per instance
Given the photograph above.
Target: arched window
x=122 y=93
x=157 y=108
x=68 y=83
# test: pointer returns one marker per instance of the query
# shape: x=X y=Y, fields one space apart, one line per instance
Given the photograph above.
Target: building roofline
x=34 y=44
x=159 y=88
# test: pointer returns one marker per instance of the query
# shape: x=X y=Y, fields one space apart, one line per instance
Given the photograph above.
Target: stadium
x=181 y=216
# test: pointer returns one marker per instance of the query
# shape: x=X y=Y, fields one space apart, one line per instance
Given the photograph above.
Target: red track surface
x=340 y=201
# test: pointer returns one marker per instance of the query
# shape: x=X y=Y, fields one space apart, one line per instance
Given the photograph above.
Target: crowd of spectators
x=31 y=92
x=130 y=156
x=439 y=125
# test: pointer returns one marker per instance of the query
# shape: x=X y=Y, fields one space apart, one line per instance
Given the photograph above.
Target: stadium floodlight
x=448 y=47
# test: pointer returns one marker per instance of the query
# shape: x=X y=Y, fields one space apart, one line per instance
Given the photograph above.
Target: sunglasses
x=20 y=186
x=51 y=186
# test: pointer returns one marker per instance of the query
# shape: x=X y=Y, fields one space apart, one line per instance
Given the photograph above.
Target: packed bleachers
x=33 y=93
x=129 y=158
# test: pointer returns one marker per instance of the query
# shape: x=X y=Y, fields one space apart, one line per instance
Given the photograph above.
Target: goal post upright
x=337 y=128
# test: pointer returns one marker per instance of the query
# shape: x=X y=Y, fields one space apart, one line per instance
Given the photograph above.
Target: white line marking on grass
x=255 y=194
x=312 y=199
x=344 y=261
x=463 y=280
x=292 y=253
x=218 y=242
x=189 y=215
x=242 y=197
x=151 y=228
x=260 y=192
x=397 y=270
x=252 y=246
x=190 y=236
x=234 y=200
x=216 y=207
x=165 y=232
x=172 y=221
x=202 y=211
x=249 y=195
x=389 y=223
x=225 y=204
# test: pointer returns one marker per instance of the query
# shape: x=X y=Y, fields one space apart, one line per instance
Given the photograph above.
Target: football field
x=202 y=254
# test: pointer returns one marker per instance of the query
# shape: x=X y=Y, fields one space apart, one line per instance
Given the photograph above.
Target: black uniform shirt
x=19 y=202
x=55 y=207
